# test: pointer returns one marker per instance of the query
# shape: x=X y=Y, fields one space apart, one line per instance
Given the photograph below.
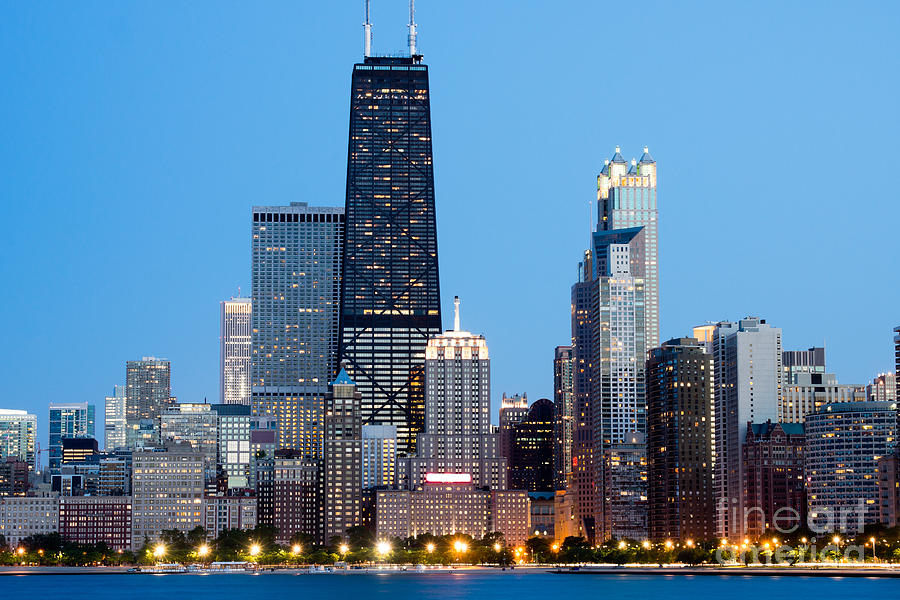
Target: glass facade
x=390 y=301
x=68 y=421
x=147 y=393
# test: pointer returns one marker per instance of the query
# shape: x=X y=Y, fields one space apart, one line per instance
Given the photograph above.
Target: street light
x=383 y=548
x=296 y=549
x=343 y=548
x=622 y=545
x=254 y=549
x=20 y=551
x=555 y=547
x=203 y=550
x=497 y=547
x=874 y=558
x=159 y=551
x=646 y=544
x=430 y=547
x=460 y=546
x=836 y=539
x=669 y=544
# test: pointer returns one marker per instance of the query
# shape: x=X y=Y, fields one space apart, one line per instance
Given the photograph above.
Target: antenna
x=412 y=27
x=456 y=313
x=368 y=29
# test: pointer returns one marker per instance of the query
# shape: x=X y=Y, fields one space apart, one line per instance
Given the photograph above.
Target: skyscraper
x=296 y=258
x=580 y=492
x=531 y=461
x=115 y=420
x=513 y=409
x=749 y=383
x=342 y=460
x=148 y=391
x=70 y=420
x=626 y=198
x=18 y=431
x=680 y=409
x=563 y=414
x=235 y=343
x=390 y=299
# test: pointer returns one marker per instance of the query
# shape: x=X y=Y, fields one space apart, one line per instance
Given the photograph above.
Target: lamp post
x=159 y=552
x=874 y=558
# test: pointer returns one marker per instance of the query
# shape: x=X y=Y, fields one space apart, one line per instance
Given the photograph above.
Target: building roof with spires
x=617 y=157
x=645 y=157
x=632 y=170
x=605 y=169
x=343 y=379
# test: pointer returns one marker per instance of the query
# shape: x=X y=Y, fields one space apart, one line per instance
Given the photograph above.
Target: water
x=446 y=586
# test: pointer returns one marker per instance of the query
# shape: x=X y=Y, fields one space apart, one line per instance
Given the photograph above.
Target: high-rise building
x=626 y=199
x=342 y=459
x=296 y=269
x=167 y=491
x=513 y=410
x=234 y=429
x=115 y=419
x=292 y=505
x=581 y=489
x=802 y=361
x=13 y=477
x=774 y=493
x=888 y=468
x=379 y=456
x=194 y=424
x=563 y=414
x=897 y=360
x=18 y=431
x=749 y=384
x=844 y=442
x=235 y=342
x=390 y=298
x=809 y=390
x=458 y=436
x=680 y=410
x=148 y=391
x=531 y=462
x=623 y=468
x=68 y=420
x=883 y=388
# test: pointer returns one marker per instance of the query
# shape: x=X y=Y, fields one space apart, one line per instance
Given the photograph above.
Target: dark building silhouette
x=390 y=293
x=531 y=463
x=773 y=476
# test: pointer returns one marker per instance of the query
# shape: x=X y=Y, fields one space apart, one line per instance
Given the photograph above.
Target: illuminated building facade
x=773 y=477
x=148 y=391
x=115 y=420
x=296 y=267
x=563 y=414
x=342 y=459
x=807 y=391
x=531 y=462
x=17 y=436
x=235 y=348
x=513 y=409
x=379 y=456
x=390 y=300
x=24 y=517
x=95 y=520
x=69 y=420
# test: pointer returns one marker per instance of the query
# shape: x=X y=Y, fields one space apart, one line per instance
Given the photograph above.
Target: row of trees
x=360 y=546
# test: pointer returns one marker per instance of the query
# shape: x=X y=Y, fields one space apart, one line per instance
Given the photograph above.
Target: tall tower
x=296 y=265
x=115 y=423
x=148 y=390
x=234 y=350
x=68 y=420
x=563 y=415
x=342 y=459
x=390 y=298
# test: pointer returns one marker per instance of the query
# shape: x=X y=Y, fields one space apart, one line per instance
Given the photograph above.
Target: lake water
x=443 y=586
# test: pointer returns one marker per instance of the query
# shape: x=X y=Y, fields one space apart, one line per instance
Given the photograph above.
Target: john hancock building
x=390 y=300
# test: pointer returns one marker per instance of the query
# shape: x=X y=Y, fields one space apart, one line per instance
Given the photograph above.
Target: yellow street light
x=497 y=547
x=344 y=548
x=203 y=550
x=159 y=551
x=622 y=545
x=690 y=543
x=774 y=541
x=255 y=549
x=295 y=549
x=460 y=546
x=554 y=547
x=669 y=544
x=836 y=539
x=20 y=551
x=723 y=542
x=430 y=547
x=802 y=540
x=383 y=548
x=646 y=544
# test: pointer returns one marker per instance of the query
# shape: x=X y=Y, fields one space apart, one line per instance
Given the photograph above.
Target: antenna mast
x=368 y=29
x=412 y=27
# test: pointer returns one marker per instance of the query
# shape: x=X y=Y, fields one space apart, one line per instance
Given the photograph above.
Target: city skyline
x=128 y=319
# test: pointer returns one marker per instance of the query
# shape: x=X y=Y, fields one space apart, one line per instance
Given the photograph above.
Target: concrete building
x=96 y=519
x=229 y=511
x=342 y=459
x=883 y=388
x=22 y=517
x=235 y=348
x=115 y=420
x=234 y=428
x=531 y=441
x=167 y=490
x=68 y=420
x=448 y=503
x=681 y=461
x=888 y=468
x=563 y=414
x=148 y=391
x=844 y=442
x=114 y=474
x=802 y=361
x=296 y=274
x=543 y=514
x=774 y=490
x=806 y=392
x=458 y=436
x=13 y=477
x=749 y=383
x=194 y=424
x=513 y=409
x=18 y=431
x=379 y=456
x=295 y=496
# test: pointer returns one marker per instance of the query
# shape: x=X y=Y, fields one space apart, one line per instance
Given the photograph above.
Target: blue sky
x=134 y=137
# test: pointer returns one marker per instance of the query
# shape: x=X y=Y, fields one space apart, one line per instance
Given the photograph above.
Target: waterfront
x=459 y=584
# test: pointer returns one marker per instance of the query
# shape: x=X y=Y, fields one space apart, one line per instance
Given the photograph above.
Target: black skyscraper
x=390 y=296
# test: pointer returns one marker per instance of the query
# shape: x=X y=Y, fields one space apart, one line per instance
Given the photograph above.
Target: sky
x=135 y=137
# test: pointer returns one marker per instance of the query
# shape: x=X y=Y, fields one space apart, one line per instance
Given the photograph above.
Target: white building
x=23 y=517
x=229 y=512
x=234 y=350
x=809 y=391
x=379 y=456
x=115 y=420
x=18 y=431
x=195 y=424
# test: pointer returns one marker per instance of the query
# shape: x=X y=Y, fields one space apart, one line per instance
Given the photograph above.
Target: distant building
x=195 y=424
x=531 y=440
x=563 y=414
x=234 y=429
x=235 y=345
x=802 y=361
x=774 y=491
x=115 y=420
x=883 y=388
x=167 y=490
x=888 y=468
x=581 y=489
x=844 y=442
x=806 y=392
x=78 y=450
x=513 y=409
x=379 y=456
x=69 y=420
x=13 y=477
x=229 y=511
x=295 y=496
x=24 y=517
x=624 y=468
x=447 y=504
x=342 y=459
x=148 y=392
x=17 y=436
x=96 y=519
x=543 y=519
x=114 y=475
x=681 y=403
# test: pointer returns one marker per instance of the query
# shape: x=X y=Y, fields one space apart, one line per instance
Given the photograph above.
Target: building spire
x=412 y=28
x=455 y=313
x=368 y=29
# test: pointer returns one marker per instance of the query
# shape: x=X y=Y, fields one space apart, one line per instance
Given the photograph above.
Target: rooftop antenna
x=455 y=313
x=591 y=215
x=368 y=29
x=412 y=27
